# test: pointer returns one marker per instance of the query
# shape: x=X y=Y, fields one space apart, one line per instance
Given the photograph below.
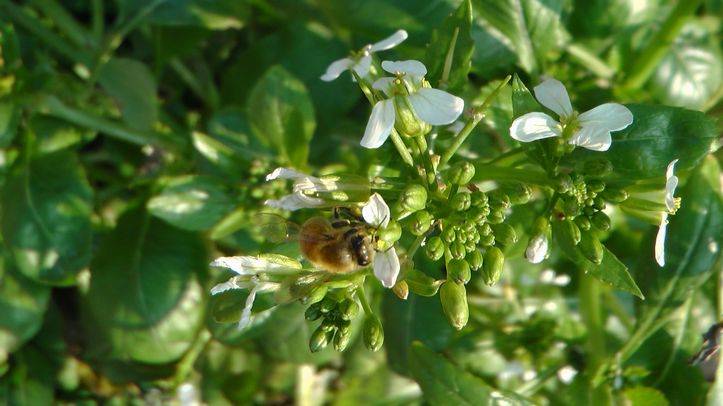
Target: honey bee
x=337 y=246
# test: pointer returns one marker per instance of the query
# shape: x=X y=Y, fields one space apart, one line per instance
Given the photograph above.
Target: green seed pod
x=601 y=221
x=319 y=340
x=591 y=247
x=457 y=249
x=614 y=195
x=449 y=234
x=519 y=193
x=598 y=168
x=571 y=231
x=315 y=295
x=474 y=259
x=461 y=173
x=413 y=198
x=458 y=271
x=493 y=263
x=460 y=202
x=422 y=284
x=434 y=248
x=421 y=222
x=505 y=234
x=348 y=309
x=479 y=199
x=564 y=184
x=313 y=312
x=453 y=296
x=341 y=339
x=599 y=203
x=373 y=333
x=583 y=223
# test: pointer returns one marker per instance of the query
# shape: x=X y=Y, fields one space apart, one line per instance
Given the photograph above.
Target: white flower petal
x=285 y=173
x=671 y=182
x=295 y=201
x=410 y=67
x=246 y=313
x=534 y=126
x=384 y=85
x=660 y=241
x=362 y=67
x=246 y=265
x=611 y=116
x=435 y=106
x=389 y=42
x=386 y=267
x=553 y=95
x=376 y=211
x=537 y=249
x=336 y=68
x=592 y=138
x=380 y=124
x=230 y=284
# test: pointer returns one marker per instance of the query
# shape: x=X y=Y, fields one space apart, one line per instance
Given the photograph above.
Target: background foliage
x=134 y=141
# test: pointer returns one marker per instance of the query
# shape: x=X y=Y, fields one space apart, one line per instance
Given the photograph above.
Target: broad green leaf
x=281 y=114
x=46 y=207
x=443 y=383
x=523 y=101
x=132 y=86
x=658 y=135
x=610 y=271
x=22 y=305
x=453 y=37
x=692 y=71
x=54 y=134
x=644 y=396
x=150 y=262
x=9 y=120
x=213 y=15
x=603 y=18
x=30 y=380
x=191 y=202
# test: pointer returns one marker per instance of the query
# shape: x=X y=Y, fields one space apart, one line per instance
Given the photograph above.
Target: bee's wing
x=276 y=228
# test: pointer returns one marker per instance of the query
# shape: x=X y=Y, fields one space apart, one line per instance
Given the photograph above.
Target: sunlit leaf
x=452 y=37
x=133 y=88
x=193 y=203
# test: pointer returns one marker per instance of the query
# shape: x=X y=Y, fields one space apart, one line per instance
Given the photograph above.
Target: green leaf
x=611 y=17
x=22 y=305
x=452 y=37
x=658 y=135
x=523 y=101
x=133 y=88
x=610 y=270
x=54 y=134
x=210 y=14
x=30 y=381
x=9 y=119
x=692 y=71
x=443 y=383
x=644 y=396
x=46 y=207
x=191 y=202
x=150 y=262
x=281 y=114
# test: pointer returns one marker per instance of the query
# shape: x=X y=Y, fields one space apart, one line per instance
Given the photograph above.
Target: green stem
x=618 y=310
x=591 y=311
x=363 y=300
x=444 y=80
x=64 y=21
x=590 y=61
x=401 y=148
x=493 y=172
x=427 y=162
x=185 y=366
x=416 y=244
x=644 y=65
x=98 y=21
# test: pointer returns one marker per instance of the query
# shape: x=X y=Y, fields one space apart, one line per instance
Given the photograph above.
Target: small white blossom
x=307 y=189
x=361 y=62
x=590 y=130
x=386 y=263
x=566 y=374
x=432 y=106
x=537 y=249
x=671 y=205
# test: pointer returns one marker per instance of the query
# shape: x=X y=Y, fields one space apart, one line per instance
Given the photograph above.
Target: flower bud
x=389 y=235
x=458 y=271
x=499 y=200
x=492 y=267
x=596 y=186
x=348 y=309
x=319 y=340
x=422 y=284
x=401 y=290
x=448 y=234
x=460 y=202
x=407 y=122
x=591 y=247
x=474 y=259
x=453 y=296
x=327 y=305
x=461 y=173
x=601 y=221
x=614 y=195
x=457 y=249
x=313 y=312
x=496 y=217
x=373 y=333
x=598 y=168
x=537 y=248
x=564 y=184
x=421 y=221
x=583 y=223
x=487 y=240
x=519 y=193
x=315 y=295
x=341 y=339
x=570 y=206
x=329 y=324
x=413 y=198
x=479 y=199
x=434 y=248
x=599 y=203
x=505 y=234
x=571 y=231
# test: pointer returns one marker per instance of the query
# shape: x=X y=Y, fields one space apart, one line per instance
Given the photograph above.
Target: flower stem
x=363 y=300
x=427 y=162
x=590 y=61
x=591 y=311
x=401 y=148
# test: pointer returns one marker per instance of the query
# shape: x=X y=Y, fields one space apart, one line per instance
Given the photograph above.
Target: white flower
x=408 y=89
x=308 y=189
x=590 y=129
x=537 y=249
x=671 y=205
x=361 y=62
x=386 y=263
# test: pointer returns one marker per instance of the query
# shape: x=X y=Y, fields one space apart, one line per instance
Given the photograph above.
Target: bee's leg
x=353 y=213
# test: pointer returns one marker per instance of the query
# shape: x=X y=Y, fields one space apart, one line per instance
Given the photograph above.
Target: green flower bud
x=601 y=221
x=319 y=340
x=493 y=264
x=401 y=290
x=499 y=200
x=453 y=296
x=598 y=168
x=315 y=295
x=505 y=234
x=519 y=193
x=390 y=234
x=571 y=231
x=460 y=202
x=570 y=206
x=458 y=271
x=496 y=217
x=596 y=186
x=474 y=259
x=457 y=249
x=348 y=309
x=589 y=201
x=487 y=240
x=328 y=324
x=413 y=198
x=434 y=248
x=599 y=203
x=479 y=199
x=341 y=339
x=422 y=284
x=421 y=221
x=461 y=173
x=328 y=304
x=485 y=229
x=448 y=234
x=313 y=312
x=589 y=211
x=564 y=184
x=407 y=122
x=614 y=195
x=373 y=333
x=541 y=226
x=470 y=246
x=591 y=247
x=583 y=223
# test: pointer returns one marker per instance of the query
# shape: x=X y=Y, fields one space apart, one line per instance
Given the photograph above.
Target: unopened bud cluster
x=336 y=317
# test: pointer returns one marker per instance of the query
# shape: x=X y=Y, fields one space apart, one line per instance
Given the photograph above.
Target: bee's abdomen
x=362 y=249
